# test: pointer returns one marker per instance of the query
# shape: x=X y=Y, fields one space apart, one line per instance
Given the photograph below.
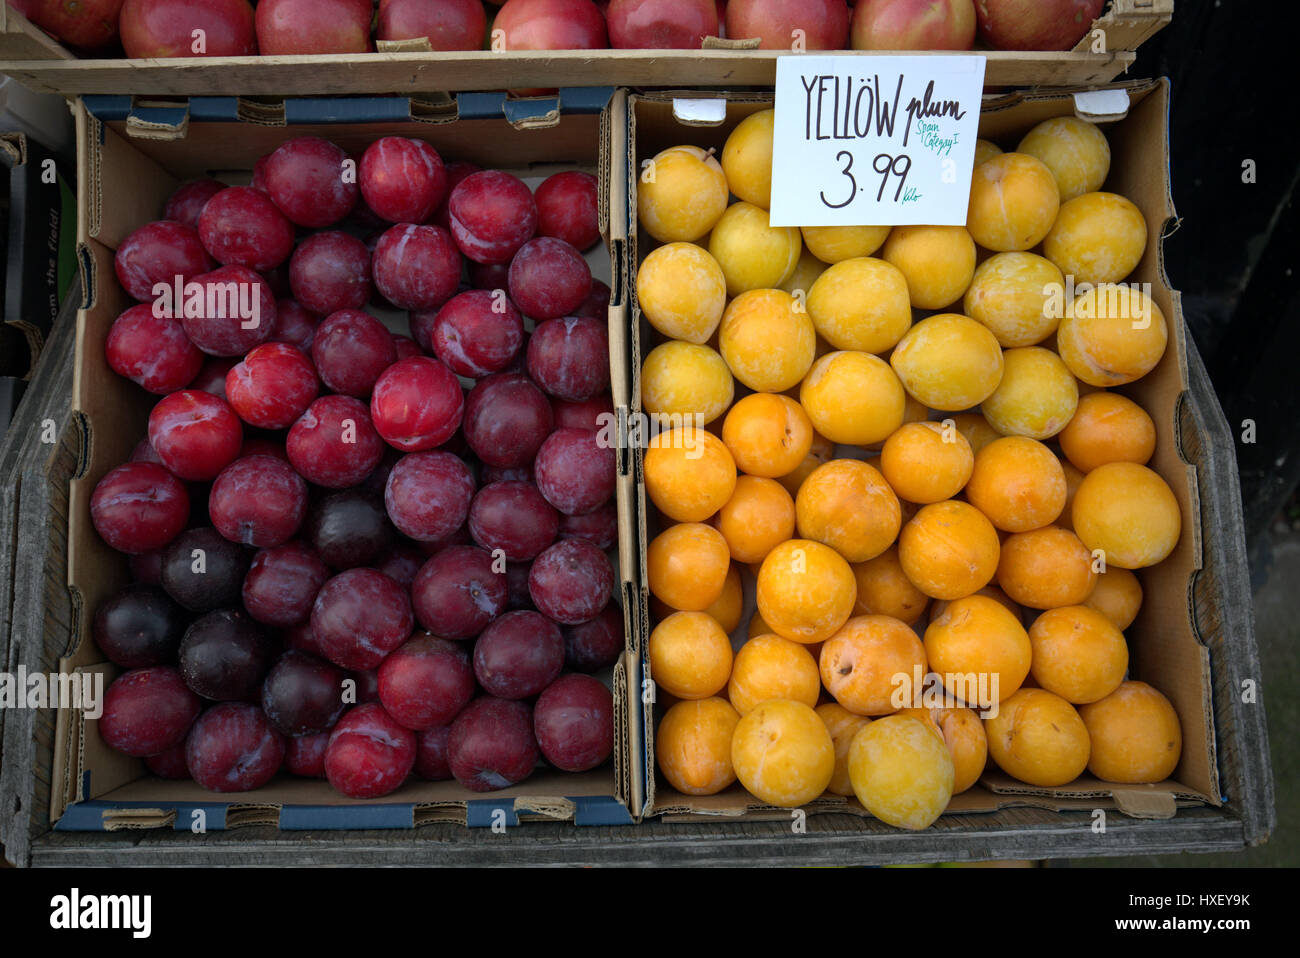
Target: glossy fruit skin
x=369 y=753
x=458 y=592
x=403 y=180
x=492 y=744
x=334 y=443
x=567 y=208
x=571 y=581
x=426 y=682
x=492 y=213
x=507 y=418
x=234 y=748
x=258 y=501
x=518 y=655
x=202 y=570
x=359 y=617
x=514 y=517
x=329 y=272
x=240 y=226
x=351 y=350
x=147 y=711
x=139 y=627
x=224 y=656
x=428 y=495
x=417 y=403
x=152 y=351
x=165 y=28
x=242 y=316
x=305 y=179
x=313 y=26
x=349 y=528
x=139 y=507
x=574 y=723
x=158 y=253
x=302 y=694
x=282 y=583
x=186 y=204
x=416 y=267
x=448 y=25
x=273 y=386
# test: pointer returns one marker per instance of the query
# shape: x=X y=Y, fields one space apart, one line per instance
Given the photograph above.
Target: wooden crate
x=30 y=56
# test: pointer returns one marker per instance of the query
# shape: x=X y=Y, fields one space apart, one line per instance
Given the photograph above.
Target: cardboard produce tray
x=1171 y=640
x=34 y=58
x=80 y=783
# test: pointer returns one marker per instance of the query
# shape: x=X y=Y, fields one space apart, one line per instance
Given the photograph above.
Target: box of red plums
x=349 y=542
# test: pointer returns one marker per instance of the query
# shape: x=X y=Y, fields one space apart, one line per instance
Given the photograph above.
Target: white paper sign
x=874 y=140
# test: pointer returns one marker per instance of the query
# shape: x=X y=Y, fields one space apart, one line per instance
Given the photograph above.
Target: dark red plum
x=359 y=617
x=305 y=178
x=186 y=204
x=406 y=347
x=195 y=434
x=282 y=583
x=152 y=351
x=157 y=253
x=349 y=528
x=569 y=358
x=304 y=755
x=365 y=687
x=259 y=501
x=147 y=712
x=351 y=350
x=491 y=474
x=303 y=694
x=273 y=386
x=140 y=507
x=240 y=226
x=403 y=180
x=431 y=754
x=458 y=592
x=377 y=480
x=330 y=271
x=417 y=404
x=492 y=215
x=574 y=471
x=334 y=443
x=492 y=745
x=421 y=323
x=571 y=581
x=416 y=267
x=548 y=278
x=457 y=170
x=212 y=377
x=369 y=754
x=513 y=517
x=599 y=527
x=294 y=325
x=401 y=563
x=301 y=637
x=428 y=495
x=593 y=414
x=426 y=682
x=596 y=305
x=595 y=645
x=566 y=208
x=518 y=655
x=489 y=276
x=234 y=748
x=478 y=332
x=517 y=596
x=138 y=627
x=507 y=419
x=235 y=312
x=574 y=723
x=202 y=570
x=146 y=568
x=224 y=656
x=170 y=764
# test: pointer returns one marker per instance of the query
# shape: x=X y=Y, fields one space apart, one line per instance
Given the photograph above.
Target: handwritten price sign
x=874 y=141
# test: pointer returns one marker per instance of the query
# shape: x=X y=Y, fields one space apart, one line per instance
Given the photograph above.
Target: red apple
x=448 y=24
x=313 y=26
x=825 y=23
x=913 y=25
x=551 y=25
x=88 y=24
x=167 y=28
x=1035 y=24
x=661 y=24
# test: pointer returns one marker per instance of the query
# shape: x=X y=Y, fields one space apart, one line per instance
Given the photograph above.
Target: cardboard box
x=130 y=159
x=29 y=55
x=1166 y=648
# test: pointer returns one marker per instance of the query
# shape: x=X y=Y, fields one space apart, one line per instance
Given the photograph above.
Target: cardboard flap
x=699 y=111
x=124 y=819
x=1149 y=802
x=1101 y=106
x=731 y=43
x=411 y=45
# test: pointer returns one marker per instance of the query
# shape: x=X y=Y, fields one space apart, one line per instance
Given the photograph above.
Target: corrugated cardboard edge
x=1127 y=24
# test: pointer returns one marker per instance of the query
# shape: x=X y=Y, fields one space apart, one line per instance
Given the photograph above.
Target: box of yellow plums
x=920 y=525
